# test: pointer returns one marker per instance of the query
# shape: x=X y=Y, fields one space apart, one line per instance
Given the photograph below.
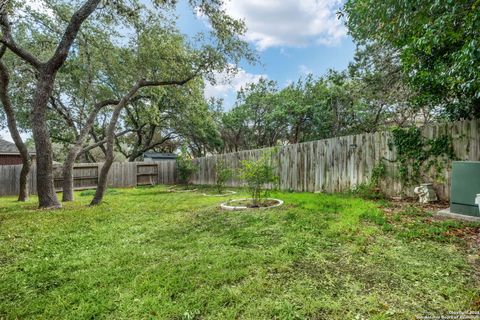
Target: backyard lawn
x=146 y=254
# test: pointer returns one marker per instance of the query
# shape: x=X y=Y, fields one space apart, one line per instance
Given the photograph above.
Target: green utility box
x=465 y=187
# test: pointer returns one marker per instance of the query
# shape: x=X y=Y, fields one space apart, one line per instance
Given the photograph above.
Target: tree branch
x=8 y=41
x=70 y=34
x=151 y=83
x=64 y=113
x=102 y=142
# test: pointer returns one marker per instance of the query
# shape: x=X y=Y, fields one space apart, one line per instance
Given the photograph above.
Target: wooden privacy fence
x=122 y=174
x=330 y=165
x=335 y=165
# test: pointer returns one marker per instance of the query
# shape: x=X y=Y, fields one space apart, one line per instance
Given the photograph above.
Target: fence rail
x=332 y=165
x=122 y=174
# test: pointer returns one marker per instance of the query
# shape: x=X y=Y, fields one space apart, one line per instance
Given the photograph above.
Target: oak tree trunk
x=12 y=127
x=67 y=174
x=110 y=134
x=103 y=176
x=24 y=191
x=47 y=196
x=110 y=140
x=68 y=180
x=46 y=77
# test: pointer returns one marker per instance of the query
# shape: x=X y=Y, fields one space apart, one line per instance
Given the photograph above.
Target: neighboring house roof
x=157 y=155
x=7 y=147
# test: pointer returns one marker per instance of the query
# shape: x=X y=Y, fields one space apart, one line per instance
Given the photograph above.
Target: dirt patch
x=243 y=204
x=261 y=204
x=407 y=211
x=396 y=205
x=471 y=234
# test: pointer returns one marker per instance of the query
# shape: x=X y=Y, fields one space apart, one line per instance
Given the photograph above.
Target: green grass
x=149 y=254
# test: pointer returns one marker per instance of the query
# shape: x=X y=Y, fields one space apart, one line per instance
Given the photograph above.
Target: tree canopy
x=437 y=42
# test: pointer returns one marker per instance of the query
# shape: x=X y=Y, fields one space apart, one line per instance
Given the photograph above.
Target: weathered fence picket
x=122 y=174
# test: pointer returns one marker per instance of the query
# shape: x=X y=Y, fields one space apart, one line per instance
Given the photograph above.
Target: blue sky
x=292 y=38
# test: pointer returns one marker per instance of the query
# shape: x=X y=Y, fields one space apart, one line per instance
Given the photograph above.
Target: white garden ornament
x=426 y=193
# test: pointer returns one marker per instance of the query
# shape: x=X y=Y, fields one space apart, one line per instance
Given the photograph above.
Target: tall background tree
x=437 y=44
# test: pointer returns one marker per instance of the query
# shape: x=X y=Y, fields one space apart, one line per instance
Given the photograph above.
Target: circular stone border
x=227 y=193
x=178 y=190
x=227 y=206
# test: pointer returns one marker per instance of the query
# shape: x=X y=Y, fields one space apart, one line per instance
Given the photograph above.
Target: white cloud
x=227 y=85
x=304 y=70
x=5 y=135
x=296 y=23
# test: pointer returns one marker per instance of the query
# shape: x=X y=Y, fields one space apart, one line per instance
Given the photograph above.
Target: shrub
x=185 y=168
x=371 y=190
x=222 y=173
x=368 y=191
x=257 y=174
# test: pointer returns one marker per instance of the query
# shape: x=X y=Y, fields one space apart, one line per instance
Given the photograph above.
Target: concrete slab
x=448 y=214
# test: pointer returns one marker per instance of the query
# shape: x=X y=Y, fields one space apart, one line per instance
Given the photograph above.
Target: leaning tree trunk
x=47 y=196
x=103 y=176
x=110 y=140
x=12 y=127
x=67 y=184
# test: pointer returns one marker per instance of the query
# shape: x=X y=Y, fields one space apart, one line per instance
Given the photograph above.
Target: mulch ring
x=241 y=204
x=263 y=204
